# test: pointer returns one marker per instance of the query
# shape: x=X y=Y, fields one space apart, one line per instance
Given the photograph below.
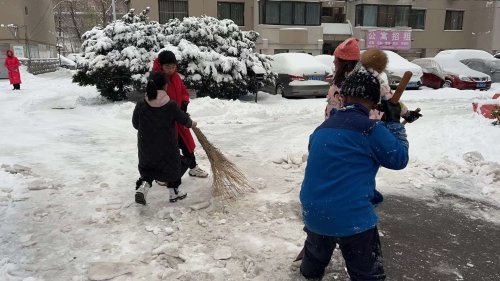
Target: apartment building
x=27 y=27
x=422 y=28
x=312 y=26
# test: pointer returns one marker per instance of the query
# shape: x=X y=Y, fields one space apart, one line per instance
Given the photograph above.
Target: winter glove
x=392 y=112
x=184 y=106
x=411 y=116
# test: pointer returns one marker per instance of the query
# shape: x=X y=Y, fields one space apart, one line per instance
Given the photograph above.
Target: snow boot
x=176 y=194
x=141 y=192
x=198 y=172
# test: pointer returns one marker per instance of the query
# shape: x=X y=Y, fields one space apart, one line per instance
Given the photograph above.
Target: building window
x=26 y=10
x=366 y=15
x=454 y=20
x=290 y=13
x=233 y=11
x=382 y=15
x=172 y=9
x=417 y=19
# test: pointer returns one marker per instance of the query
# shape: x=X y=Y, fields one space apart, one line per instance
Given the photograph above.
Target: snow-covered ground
x=69 y=162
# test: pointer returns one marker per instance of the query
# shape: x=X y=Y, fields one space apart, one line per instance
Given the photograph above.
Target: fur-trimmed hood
x=161 y=99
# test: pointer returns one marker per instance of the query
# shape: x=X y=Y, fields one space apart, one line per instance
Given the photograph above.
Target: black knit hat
x=362 y=84
x=167 y=57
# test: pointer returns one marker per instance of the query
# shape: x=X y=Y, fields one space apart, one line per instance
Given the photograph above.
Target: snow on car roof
x=454 y=66
x=430 y=65
x=461 y=54
x=326 y=59
x=298 y=64
x=397 y=62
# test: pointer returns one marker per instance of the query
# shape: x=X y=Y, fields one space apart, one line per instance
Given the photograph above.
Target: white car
x=327 y=60
x=397 y=66
x=463 y=54
x=299 y=74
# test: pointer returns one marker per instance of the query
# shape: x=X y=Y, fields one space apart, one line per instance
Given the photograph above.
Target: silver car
x=486 y=66
x=299 y=75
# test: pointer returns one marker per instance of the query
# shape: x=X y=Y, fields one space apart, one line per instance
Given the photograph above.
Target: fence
x=39 y=66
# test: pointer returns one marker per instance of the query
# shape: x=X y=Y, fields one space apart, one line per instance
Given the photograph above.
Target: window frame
x=263 y=11
x=231 y=5
x=165 y=16
x=388 y=21
x=413 y=14
x=449 y=27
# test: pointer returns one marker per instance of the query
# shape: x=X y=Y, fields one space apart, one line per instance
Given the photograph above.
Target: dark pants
x=187 y=154
x=361 y=252
x=185 y=162
x=17 y=86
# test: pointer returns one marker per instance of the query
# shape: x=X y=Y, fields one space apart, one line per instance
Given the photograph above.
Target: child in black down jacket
x=159 y=158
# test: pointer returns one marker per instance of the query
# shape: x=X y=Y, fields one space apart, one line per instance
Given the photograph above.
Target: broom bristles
x=228 y=182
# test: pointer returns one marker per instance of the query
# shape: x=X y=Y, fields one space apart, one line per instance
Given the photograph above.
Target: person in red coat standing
x=176 y=90
x=12 y=64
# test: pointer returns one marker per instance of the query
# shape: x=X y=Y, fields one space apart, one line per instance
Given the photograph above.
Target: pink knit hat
x=348 y=50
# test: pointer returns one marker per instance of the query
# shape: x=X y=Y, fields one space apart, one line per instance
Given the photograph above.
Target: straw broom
x=228 y=182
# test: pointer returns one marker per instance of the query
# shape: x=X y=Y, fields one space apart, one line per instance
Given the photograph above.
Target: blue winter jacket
x=338 y=193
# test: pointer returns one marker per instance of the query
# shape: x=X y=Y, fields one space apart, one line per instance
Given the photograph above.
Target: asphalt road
x=433 y=241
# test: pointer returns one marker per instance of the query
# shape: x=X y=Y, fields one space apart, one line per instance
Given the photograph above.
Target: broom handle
x=401 y=87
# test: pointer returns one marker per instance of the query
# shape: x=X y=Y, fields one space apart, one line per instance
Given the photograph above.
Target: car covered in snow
x=397 y=66
x=486 y=66
x=497 y=56
x=326 y=60
x=460 y=76
x=434 y=75
x=462 y=54
x=478 y=60
x=299 y=75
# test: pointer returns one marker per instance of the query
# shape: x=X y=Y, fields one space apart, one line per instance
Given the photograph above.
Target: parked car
x=327 y=60
x=462 y=54
x=497 y=56
x=460 y=76
x=397 y=66
x=486 y=66
x=434 y=75
x=299 y=74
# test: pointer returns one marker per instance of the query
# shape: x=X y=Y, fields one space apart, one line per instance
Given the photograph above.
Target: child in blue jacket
x=338 y=193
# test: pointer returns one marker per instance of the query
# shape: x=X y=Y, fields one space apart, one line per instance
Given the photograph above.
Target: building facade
x=428 y=25
x=311 y=26
x=27 y=27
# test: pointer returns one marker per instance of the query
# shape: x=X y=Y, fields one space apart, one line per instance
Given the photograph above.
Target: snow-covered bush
x=215 y=57
x=115 y=58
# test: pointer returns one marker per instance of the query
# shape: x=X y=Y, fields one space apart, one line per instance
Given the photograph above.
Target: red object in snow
x=486 y=108
x=12 y=64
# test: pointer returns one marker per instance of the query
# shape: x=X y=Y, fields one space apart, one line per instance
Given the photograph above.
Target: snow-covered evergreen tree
x=215 y=57
x=224 y=63
x=117 y=57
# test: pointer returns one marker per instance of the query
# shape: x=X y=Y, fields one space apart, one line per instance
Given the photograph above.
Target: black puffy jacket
x=159 y=157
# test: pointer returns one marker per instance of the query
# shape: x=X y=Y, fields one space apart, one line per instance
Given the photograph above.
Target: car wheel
x=280 y=90
x=447 y=84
